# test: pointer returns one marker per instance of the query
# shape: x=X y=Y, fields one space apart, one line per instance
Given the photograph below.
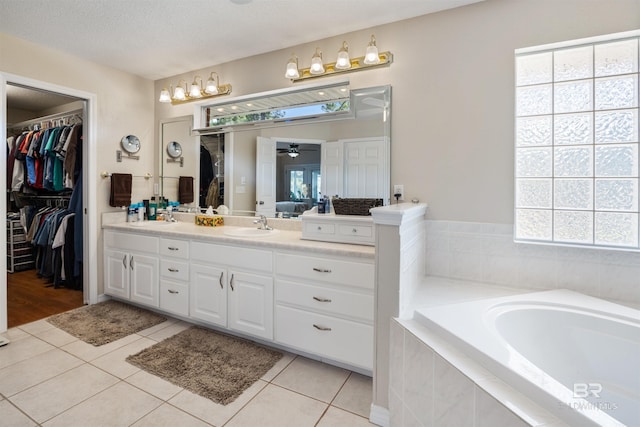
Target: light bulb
x=195 y=92
x=179 y=94
x=165 y=96
x=343 y=62
x=292 y=68
x=316 y=63
x=372 y=57
x=212 y=86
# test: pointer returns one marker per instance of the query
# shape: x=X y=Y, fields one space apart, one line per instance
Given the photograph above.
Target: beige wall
x=452 y=100
x=124 y=106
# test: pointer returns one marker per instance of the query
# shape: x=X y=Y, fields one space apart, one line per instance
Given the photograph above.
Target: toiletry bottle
x=321 y=205
x=152 y=209
x=327 y=205
x=145 y=202
x=140 y=212
x=131 y=214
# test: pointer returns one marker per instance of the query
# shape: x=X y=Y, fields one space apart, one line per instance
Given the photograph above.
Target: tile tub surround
x=433 y=384
x=484 y=252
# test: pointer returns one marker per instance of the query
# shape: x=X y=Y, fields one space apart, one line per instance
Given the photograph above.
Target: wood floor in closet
x=30 y=298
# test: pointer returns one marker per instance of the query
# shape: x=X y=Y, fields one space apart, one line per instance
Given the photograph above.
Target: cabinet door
x=116 y=273
x=145 y=285
x=208 y=294
x=250 y=302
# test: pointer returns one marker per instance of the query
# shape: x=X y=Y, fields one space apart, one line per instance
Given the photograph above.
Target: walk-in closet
x=44 y=203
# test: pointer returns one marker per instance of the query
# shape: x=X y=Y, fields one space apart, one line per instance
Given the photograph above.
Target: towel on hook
x=185 y=189
x=120 y=189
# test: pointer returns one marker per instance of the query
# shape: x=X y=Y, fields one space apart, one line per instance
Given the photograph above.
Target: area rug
x=213 y=365
x=108 y=321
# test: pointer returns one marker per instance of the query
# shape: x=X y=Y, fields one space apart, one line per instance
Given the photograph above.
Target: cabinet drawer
x=329 y=270
x=176 y=270
x=232 y=256
x=174 y=248
x=174 y=297
x=331 y=301
x=356 y=230
x=319 y=228
x=337 y=339
x=131 y=242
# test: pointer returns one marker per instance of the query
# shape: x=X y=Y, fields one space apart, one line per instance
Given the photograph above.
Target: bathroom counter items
x=280 y=239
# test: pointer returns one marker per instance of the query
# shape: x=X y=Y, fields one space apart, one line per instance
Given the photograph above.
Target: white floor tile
x=356 y=395
x=169 y=416
x=169 y=331
x=60 y=393
x=11 y=416
x=36 y=327
x=22 y=349
x=55 y=336
x=120 y=405
x=335 y=417
x=90 y=352
x=14 y=334
x=210 y=411
x=156 y=328
x=277 y=407
x=27 y=373
x=284 y=361
x=311 y=378
x=163 y=390
x=115 y=363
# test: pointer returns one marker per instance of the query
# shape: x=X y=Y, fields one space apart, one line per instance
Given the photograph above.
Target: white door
x=116 y=264
x=208 y=294
x=250 y=303
x=266 y=177
x=365 y=171
x=332 y=171
x=145 y=286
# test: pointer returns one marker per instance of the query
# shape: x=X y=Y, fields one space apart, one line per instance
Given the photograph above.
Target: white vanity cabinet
x=232 y=287
x=339 y=228
x=174 y=276
x=324 y=306
x=131 y=267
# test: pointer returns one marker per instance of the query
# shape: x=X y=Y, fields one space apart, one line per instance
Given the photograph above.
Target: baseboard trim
x=380 y=416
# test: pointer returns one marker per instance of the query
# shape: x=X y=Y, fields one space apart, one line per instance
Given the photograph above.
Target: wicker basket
x=355 y=206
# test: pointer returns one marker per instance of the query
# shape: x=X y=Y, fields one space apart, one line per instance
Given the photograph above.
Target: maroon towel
x=185 y=189
x=120 y=189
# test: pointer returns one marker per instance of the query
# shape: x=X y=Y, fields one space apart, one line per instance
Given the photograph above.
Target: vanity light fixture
x=343 y=64
x=196 y=91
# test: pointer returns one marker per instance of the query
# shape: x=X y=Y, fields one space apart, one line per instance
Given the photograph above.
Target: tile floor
x=50 y=378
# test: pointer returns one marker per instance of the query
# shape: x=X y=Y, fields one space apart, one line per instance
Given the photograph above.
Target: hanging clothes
x=206 y=174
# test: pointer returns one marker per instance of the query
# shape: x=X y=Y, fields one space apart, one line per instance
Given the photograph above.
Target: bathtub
x=576 y=356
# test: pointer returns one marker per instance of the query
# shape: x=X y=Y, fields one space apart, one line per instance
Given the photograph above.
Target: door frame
x=89 y=200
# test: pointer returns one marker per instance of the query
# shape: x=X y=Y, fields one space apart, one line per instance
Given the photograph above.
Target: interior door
x=266 y=176
x=332 y=168
x=365 y=172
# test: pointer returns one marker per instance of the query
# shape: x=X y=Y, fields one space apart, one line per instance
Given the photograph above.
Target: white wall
x=453 y=92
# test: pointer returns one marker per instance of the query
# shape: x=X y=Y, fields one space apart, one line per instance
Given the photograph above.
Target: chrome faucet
x=168 y=215
x=263 y=223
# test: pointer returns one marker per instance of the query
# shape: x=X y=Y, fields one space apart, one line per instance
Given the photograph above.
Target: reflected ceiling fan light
x=343 y=62
x=316 y=63
x=293 y=151
x=372 y=57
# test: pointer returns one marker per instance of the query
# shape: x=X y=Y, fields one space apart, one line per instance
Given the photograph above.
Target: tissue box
x=209 y=221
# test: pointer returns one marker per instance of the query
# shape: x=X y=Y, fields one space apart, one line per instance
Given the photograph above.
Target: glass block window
x=576 y=142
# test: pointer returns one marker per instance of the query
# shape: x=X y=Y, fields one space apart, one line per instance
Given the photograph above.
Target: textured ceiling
x=161 y=38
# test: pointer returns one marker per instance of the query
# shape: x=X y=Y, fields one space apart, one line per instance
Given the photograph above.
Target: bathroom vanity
x=316 y=298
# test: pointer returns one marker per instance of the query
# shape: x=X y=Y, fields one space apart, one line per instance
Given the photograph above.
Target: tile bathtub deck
x=50 y=378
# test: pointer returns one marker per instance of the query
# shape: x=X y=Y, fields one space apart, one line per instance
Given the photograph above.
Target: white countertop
x=281 y=239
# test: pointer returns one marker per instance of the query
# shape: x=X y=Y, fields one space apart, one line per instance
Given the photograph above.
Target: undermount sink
x=248 y=232
x=151 y=223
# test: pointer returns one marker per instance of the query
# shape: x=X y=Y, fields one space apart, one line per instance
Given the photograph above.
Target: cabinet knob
x=320 y=299
x=319 y=228
x=321 y=328
x=321 y=270
x=355 y=230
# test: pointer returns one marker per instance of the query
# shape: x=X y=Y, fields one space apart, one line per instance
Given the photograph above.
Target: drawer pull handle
x=171 y=248
x=171 y=291
x=131 y=262
x=321 y=270
x=124 y=261
x=173 y=270
x=355 y=230
x=320 y=299
x=221 y=274
x=231 y=283
x=321 y=328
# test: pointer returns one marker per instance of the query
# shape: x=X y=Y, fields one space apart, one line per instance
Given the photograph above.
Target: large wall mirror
x=281 y=168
